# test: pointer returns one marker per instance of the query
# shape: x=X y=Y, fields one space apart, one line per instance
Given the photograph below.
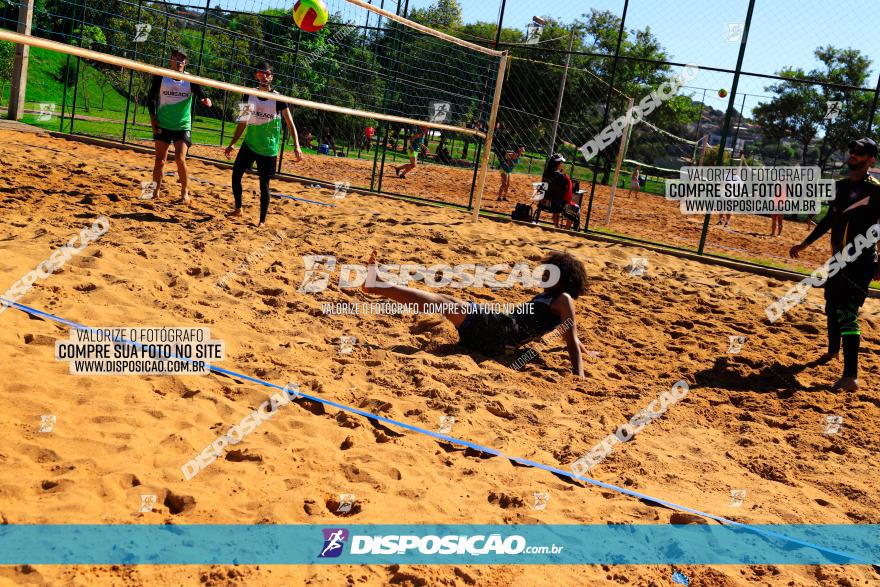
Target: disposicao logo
x=334 y=541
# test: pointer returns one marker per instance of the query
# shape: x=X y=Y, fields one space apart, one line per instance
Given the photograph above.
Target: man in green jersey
x=261 y=118
x=170 y=104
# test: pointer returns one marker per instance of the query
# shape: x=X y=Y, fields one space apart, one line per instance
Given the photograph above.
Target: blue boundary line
x=477 y=447
x=305 y=200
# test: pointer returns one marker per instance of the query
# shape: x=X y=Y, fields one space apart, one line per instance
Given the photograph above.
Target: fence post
x=82 y=19
x=725 y=130
x=561 y=93
x=226 y=97
x=490 y=132
x=874 y=106
x=389 y=90
x=607 y=106
x=204 y=31
x=500 y=23
x=20 y=64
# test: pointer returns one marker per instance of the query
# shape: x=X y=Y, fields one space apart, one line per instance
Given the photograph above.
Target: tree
x=7 y=56
x=794 y=113
x=443 y=15
x=797 y=111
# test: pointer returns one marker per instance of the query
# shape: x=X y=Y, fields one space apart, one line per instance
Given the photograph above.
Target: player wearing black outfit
x=854 y=210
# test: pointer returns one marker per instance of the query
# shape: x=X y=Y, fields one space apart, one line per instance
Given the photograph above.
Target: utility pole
x=561 y=93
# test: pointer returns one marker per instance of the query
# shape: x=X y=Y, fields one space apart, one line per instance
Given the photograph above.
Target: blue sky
x=783 y=32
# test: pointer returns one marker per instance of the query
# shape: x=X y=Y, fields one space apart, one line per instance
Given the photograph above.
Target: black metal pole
x=874 y=106
x=700 y=119
x=204 y=31
x=607 y=107
x=389 y=94
x=226 y=98
x=82 y=19
x=500 y=23
x=725 y=130
x=738 y=125
x=474 y=180
x=131 y=80
x=379 y=125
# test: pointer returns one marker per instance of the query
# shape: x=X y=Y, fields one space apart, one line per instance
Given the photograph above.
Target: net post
x=490 y=133
x=621 y=152
x=705 y=140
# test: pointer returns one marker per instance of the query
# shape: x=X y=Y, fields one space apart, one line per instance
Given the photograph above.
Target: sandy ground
x=753 y=421
x=645 y=216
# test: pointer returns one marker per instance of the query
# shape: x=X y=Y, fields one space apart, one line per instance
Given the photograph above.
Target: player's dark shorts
x=554 y=206
x=172 y=136
x=266 y=164
x=486 y=332
x=850 y=285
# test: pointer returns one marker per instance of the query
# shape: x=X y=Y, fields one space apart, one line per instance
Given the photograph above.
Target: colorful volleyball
x=722 y=93
x=310 y=15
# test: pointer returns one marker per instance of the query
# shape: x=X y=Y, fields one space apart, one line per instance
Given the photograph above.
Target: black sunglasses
x=860 y=151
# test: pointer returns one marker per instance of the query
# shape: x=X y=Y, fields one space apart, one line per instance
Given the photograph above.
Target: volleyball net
x=366 y=67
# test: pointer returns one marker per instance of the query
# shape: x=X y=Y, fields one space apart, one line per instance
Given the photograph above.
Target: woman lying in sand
x=493 y=333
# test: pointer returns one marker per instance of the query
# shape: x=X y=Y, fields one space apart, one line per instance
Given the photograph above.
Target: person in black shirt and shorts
x=853 y=213
x=493 y=333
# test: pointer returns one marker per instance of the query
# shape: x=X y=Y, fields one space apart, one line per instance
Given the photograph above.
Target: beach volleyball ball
x=722 y=93
x=310 y=15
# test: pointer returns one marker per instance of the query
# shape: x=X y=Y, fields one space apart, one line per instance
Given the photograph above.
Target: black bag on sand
x=522 y=212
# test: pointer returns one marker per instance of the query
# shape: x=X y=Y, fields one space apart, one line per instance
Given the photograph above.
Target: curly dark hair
x=572 y=273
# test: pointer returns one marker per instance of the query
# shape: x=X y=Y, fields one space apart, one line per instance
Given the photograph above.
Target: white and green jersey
x=170 y=101
x=263 y=134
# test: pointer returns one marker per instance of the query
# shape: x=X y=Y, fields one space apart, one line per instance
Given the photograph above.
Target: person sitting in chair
x=559 y=188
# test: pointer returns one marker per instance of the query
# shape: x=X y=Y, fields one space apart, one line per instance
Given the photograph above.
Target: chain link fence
x=768 y=91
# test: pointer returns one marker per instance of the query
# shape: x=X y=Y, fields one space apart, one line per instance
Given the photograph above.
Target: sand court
x=753 y=421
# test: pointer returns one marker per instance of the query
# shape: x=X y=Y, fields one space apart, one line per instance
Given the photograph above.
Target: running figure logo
x=316 y=278
x=833 y=109
x=147 y=503
x=47 y=422
x=736 y=344
x=637 y=266
x=245 y=111
x=142 y=31
x=833 y=422
x=346 y=502
x=735 y=32
x=533 y=33
x=540 y=189
x=346 y=344
x=148 y=190
x=47 y=109
x=541 y=499
x=341 y=190
x=439 y=112
x=334 y=541
x=292 y=389
x=737 y=497
x=446 y=423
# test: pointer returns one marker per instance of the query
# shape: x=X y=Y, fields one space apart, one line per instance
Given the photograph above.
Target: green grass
x=45 y=85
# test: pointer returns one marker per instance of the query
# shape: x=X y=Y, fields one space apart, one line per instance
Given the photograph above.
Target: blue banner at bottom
x=630 y=544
